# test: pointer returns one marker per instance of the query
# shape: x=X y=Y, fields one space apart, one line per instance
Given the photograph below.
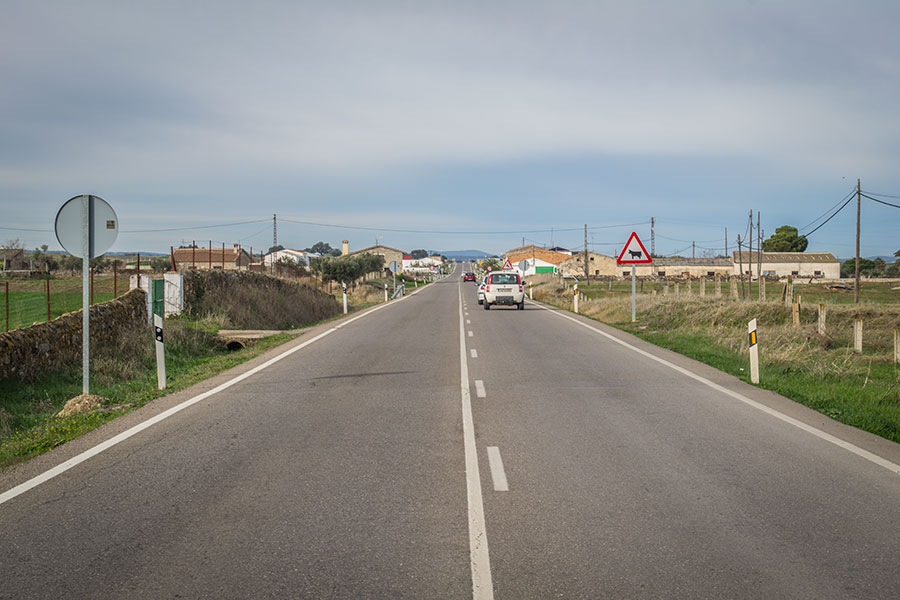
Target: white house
x=296 y=256
x=428 y=264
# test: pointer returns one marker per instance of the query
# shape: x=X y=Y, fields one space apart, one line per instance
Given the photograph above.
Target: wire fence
x=36 y=300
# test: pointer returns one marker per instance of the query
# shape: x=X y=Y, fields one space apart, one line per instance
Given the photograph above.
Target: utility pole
x=750 y=253
x=741 y=265
x=726 y=242
x=586 y=271
x=652 y=236
x=758 y=246
x=693 y=250
x=274 y=232
x=858 y=205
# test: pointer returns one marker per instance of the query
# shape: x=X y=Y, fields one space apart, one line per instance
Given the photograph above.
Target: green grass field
x=27 y=300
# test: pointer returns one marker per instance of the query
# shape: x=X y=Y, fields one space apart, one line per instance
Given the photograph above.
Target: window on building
x=660 y=273
x=626 y=273
x=795 y=272
x=817 y=273
x=596 y=271
x=592 y=259
x=710 y=273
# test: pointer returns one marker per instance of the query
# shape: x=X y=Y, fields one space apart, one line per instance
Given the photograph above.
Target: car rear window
x=501 y=278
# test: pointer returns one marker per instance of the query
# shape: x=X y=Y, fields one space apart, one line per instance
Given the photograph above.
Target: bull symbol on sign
x=636 y=254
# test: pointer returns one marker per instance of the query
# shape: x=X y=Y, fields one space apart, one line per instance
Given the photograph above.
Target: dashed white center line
x=471 y=334
x=474 y=353
x=497 y=472
x=468 y=321
x=479 y=389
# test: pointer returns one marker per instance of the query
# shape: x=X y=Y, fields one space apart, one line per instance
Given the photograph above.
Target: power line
x=192 y=228
x=844 y=199
x=830 y=218
x=882 y=195
x=880 y=201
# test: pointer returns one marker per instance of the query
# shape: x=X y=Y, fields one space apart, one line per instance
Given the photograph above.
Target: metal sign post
x=637 y=254
x=86 y=227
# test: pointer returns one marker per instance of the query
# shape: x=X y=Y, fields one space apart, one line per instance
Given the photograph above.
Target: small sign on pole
x=86 y=227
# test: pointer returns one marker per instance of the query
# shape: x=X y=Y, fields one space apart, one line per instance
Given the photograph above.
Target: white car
x=481 y=290
x=504 y=287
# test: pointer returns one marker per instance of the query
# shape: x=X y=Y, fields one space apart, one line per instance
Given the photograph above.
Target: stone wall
x=31 y=351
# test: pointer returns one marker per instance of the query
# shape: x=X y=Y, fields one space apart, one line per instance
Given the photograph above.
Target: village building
x=820 y=265
x=295 y=256
x=536 y=260
x=12 y=259
x=681 y=267
x=599 y=265
x=198 y=259
x=390 y=255
x=428 y=264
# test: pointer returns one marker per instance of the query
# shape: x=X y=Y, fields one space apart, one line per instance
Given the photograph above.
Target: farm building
x=781 y=264
x=389 y=254
x=599 y=265
x=188 y=259
x=681 y=267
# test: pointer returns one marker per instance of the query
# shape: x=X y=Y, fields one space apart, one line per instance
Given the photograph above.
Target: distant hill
x=459 y=255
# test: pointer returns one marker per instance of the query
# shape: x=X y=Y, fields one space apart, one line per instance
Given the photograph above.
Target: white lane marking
x=479 y=557
x=479 y=389
x=91 y=452
x=468 y=321
x=470 y=334
x=474 y=353
x=497 y=472
x=871 y=457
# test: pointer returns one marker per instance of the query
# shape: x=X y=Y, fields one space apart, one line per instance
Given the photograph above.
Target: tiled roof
x=371 y=248
x=527 y=252
x=202 y=255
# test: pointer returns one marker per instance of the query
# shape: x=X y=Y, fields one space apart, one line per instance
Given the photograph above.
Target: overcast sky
x=452 y=125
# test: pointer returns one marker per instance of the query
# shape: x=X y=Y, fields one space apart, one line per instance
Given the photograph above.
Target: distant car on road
x=468 y=276
x=504 y=287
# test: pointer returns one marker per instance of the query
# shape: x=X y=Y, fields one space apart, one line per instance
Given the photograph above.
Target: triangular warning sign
x=507 y=266
x=634 y=252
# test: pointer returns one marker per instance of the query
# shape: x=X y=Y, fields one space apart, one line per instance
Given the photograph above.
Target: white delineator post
x=86 y=294
x=754 y=352
x=531 y=290
x=575 y=298
x=344 y=287
x=385 y=293
x=160 y=352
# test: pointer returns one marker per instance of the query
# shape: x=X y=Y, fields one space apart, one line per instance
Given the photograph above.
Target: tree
x=275 y=249
x=321 y=248
x=417 y=254
x=785 y=239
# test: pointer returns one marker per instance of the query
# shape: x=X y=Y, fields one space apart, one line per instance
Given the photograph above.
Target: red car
x=469 y=276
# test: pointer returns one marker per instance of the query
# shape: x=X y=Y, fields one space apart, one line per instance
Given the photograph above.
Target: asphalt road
x=374 y=462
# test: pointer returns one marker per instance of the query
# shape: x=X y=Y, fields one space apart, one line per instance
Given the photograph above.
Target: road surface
x=431 y=449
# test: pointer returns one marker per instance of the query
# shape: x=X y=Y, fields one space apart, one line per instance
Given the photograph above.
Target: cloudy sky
x=453 y=125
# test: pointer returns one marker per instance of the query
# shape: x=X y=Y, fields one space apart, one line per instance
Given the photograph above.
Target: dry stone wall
x=31 y=351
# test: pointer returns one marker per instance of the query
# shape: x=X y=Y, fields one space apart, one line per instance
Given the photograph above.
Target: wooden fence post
x=857 y=335
x=822 y=309
x=795 y=313
x=789 y=291
x=896 y=345
x=703 y=287
x=48 y=296
x=718 y=286
x=734 y=290
x=677 y=289
x=762 y=289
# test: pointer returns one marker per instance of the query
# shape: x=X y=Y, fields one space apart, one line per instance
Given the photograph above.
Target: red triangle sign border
x=646 y=259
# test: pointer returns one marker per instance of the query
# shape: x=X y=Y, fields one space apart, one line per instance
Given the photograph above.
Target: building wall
x=599 y=265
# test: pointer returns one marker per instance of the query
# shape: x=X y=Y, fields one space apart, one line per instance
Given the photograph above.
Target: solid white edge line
x=497 y=472
x=862 y=453
x=479 y=557
x=91 y=452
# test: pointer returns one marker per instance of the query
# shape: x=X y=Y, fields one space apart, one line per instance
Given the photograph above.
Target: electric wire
x=880 y=201
x=806 y=235
x=844 y=199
